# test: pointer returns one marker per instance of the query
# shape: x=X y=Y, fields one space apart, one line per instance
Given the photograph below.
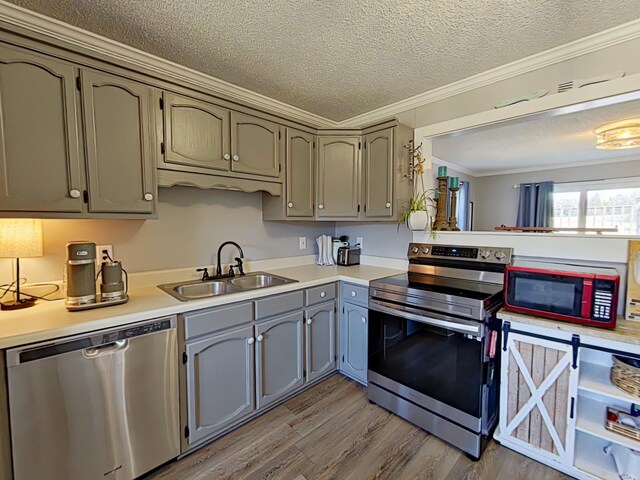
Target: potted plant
x=417 y=216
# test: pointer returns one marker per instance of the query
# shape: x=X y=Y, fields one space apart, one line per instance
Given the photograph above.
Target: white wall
x=497 y=200
x=192 y=224
x=379 y=239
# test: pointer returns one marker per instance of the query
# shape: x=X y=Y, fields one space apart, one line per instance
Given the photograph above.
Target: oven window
x=441 y=364
x=546 y=293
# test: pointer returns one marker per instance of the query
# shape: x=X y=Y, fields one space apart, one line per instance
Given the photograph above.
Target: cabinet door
x=299 y=174
x=220 y=382
x=196 y=133
x=338 y=177
x=279 y=357
x=378 y=172
x=320 y=340
x=117 y=122
x=537 y=396
x=255 y=145
x=353 y=341
x=39 y=150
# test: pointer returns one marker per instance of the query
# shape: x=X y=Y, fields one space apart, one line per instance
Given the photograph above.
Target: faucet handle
x=205 y=274
x=239 y=265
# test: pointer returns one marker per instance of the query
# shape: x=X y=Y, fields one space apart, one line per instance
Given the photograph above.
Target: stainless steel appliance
x=102 y=406
x=81 y=279
x=432 y=341
x=572 y=293
x=348 y=255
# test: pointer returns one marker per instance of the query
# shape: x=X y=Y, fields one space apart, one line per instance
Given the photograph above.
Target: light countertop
x=49 y=320
x=626 y=331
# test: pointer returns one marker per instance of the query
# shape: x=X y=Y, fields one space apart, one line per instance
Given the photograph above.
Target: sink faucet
x=238 y=259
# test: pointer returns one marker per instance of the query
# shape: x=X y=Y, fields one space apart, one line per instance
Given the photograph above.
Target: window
x=598 y=204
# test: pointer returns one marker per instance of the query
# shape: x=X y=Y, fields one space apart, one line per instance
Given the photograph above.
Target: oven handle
x=474 y=330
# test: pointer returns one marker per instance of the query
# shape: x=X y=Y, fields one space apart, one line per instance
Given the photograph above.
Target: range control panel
x=500 y=255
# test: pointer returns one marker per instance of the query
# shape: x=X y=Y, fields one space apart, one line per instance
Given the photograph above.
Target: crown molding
x=453 y=166
x=57 y=31
x=598 y=41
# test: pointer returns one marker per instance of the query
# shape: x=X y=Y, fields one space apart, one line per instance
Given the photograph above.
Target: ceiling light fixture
x=619 y=135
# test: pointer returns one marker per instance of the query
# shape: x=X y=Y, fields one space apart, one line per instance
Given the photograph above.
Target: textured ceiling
x=341 y=58
x=540 y=142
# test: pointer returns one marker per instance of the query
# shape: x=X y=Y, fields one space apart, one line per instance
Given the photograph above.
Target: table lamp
x=20 y=238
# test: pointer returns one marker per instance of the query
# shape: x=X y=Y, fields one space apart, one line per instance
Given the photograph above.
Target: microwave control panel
x=604 y=300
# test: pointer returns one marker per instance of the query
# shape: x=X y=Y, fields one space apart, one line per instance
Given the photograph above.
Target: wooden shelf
x=591 y=418
x=595 y=378
x=591 y=459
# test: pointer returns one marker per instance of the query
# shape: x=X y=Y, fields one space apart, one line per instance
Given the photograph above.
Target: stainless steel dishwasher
x=98 y=406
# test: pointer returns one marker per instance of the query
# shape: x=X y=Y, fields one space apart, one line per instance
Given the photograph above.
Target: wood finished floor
x=332 y=432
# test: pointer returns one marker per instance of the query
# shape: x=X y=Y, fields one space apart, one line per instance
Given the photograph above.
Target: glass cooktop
x=416 y=283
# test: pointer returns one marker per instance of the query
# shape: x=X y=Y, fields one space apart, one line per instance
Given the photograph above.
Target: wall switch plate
x=359 y=241
x=302 y=243
x=100 y=256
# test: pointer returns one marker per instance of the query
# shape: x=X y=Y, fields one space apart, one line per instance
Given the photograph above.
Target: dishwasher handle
x=91 y=345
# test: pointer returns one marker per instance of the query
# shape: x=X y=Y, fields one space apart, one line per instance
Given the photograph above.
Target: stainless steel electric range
x=433 y=333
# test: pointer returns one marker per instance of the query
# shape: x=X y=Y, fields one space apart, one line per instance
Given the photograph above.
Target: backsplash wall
x=192 y=224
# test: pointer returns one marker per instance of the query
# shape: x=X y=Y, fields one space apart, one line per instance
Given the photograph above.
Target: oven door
x=434 y=360
x=553 y=295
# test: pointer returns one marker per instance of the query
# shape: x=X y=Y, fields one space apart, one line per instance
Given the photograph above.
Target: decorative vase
x=418 y=221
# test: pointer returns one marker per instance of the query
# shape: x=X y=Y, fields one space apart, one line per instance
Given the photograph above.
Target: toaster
x=348 y=256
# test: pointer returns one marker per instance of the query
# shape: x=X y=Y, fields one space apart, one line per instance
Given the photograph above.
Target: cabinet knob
x=364 y=320
x=309 y=321
x=353 y=294
x=321 y=206
x=388 y=205
x=251 y=340
x=236 y=158
x=290 y=204
x=74 y=193
x=148 y=197
x=323 y=294
x=226 y=156
x=260 y=338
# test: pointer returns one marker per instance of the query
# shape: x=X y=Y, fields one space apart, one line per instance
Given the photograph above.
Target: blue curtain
x=535 y=208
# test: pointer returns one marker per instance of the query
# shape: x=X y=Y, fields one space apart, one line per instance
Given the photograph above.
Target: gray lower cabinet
x=320 y=340
x=40 y=156
x=220 y=382
x=338 y=178
x=353 y=341
x=117 y=123
x=279 y=357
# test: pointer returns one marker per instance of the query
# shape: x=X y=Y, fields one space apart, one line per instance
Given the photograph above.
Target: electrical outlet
x=359 y=241
x=302 y=245
x=100 y=256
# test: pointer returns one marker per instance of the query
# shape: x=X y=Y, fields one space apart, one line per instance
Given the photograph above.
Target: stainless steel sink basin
x=258 y=280
x=194 y=290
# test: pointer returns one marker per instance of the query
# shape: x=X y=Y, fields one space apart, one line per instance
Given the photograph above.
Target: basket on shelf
x=626 y=376
x=615 y=425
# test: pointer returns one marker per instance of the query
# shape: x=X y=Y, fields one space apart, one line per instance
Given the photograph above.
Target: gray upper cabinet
x=279 y=357
x=353 y=341
x=255 y=145
x=196 y=134
x=40 y=159
x=378 y=174
x=338 y=178
x=217 y=364
x=300 y=153
x=320 y=340
x=117 y=122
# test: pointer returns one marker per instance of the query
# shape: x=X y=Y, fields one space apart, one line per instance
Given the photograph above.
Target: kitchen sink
x=194 y=290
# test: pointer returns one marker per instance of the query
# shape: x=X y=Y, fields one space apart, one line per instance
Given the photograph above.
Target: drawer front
x=320 y=294
x=287 y=302
x=357 y=294
x=212 y=320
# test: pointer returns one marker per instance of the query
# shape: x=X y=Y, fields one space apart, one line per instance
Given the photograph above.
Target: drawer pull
x=353 y=294
x=323 y=294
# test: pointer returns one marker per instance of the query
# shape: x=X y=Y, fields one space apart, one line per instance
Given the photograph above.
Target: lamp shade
x=20 y=238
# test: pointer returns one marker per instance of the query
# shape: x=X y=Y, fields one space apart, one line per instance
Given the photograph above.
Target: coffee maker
x=81 y=278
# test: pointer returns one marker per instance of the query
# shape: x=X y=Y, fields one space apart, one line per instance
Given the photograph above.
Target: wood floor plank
x=331 y=431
